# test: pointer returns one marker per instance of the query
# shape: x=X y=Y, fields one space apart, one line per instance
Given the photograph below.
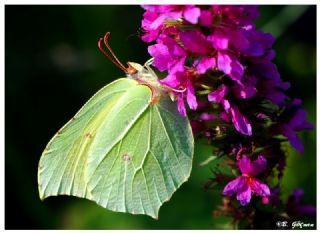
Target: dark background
x=53 y=65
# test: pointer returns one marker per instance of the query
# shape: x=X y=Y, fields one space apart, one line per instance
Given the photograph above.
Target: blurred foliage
x=53 y=65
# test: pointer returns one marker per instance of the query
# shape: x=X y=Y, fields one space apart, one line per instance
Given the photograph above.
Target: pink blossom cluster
x=217 y=62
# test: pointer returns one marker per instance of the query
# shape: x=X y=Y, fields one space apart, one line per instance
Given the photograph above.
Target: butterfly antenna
x=112 y=58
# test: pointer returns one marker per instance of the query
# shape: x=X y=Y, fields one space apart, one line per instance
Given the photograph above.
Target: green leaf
x=120 y=150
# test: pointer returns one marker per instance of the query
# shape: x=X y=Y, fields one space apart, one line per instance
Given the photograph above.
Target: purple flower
x=230 y=65
x=239 y=121
x=204 y=64
x=168 y=54
x=230 y=34
x=260 y=45
x=161 y=55
x=183 y=82
x=220 y=65
x=267 y=70
x=245 y=89
x=156 y=15
x=191 y=97
x=223 y=39
x=245 y=185
x=294 y=120
x=150 y=24
x=241 y=16
x=273 y=90
x=218 y=95
x=195 y=42
x=191 y=14
x=219 y=40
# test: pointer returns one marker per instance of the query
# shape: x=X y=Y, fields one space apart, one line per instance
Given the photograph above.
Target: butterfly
x=128 y=149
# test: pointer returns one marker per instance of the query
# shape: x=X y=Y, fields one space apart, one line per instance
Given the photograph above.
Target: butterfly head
x=141 y=73
x=133 y=70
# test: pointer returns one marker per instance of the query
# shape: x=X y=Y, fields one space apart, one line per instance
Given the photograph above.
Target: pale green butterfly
x=128 y=149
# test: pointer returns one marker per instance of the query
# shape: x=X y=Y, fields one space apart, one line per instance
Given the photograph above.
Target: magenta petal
x=148 y=18
x=171 y=80
x=254 y=50
x=206 y=18
x=191 y=14
x=276 y=97
x=298 y=118
x=150 y=36
x=157 y=22
x=191 y=98
x=265 y=39
x=217 y=95
x=244 y=91
x=260 y=188
x=241 y=123
x=268 y=70
x=244 y=196
x=292 y=137
x=236 y=70
x=173 y=47
x=226 y=105
x=238 y=40
x=219 y=40
x=224 y=63
x=181 y=107
x=304 y=125
x=177 y=66
x=233 y=186
x=161 y=56
x=295 y=141
x=245 y=165
x=177 y=50
x=174 y=15
x=195 y=42
x=230 y=66
x=258 y=166
x=205 y=64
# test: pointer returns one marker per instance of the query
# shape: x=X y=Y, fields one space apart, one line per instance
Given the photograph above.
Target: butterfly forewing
x=63 y=162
